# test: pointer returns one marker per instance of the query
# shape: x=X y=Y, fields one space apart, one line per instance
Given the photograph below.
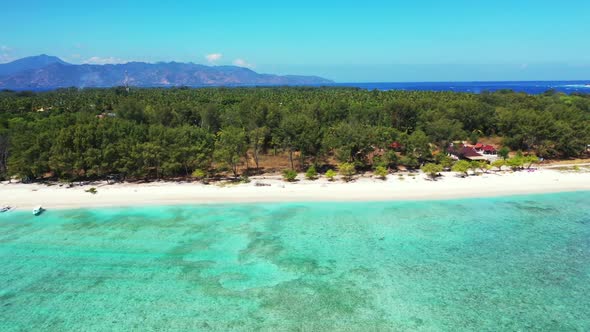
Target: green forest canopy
x=155 y=133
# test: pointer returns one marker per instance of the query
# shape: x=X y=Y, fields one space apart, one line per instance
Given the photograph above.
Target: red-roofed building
x=469 y=152
x=485 y=149
x=477 y=152
x=488 y=149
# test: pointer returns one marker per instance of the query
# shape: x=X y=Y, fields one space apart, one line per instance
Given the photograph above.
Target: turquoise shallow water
x=513 y=263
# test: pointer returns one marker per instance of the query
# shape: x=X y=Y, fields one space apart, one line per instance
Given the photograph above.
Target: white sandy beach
x=27 y=196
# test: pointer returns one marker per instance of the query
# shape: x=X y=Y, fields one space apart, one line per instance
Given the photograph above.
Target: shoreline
x=363 y=189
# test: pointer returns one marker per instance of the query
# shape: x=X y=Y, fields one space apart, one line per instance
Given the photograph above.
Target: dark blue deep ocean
x=530 y=87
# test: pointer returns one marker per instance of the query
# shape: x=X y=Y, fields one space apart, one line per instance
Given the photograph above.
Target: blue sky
x=421 y=40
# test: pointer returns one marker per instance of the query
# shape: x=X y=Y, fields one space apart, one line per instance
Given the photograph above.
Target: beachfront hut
x=485 y=149
x=490 y=150
x=470 y=154
x=465 y=152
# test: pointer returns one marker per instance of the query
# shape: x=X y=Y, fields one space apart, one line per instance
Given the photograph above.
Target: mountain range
x=49 y=72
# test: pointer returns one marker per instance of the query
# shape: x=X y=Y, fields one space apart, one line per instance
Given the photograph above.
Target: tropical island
x=294 y=166
x=254 y=136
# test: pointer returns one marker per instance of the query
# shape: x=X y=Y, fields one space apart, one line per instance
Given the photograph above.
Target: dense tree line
x=155 y=133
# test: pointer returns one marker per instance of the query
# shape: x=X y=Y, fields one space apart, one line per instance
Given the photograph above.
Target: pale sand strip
x=23 y=196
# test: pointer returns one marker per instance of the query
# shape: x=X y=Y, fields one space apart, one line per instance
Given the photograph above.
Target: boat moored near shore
x=38 y=210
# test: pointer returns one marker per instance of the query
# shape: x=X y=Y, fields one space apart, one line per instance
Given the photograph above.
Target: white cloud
x=243 y=63
x=5 y=57
x=95 y=60
x=524 y=66
x=6 y=54
x=214 y=57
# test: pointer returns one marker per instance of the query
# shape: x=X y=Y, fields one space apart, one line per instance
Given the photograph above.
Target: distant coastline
x=476 y=87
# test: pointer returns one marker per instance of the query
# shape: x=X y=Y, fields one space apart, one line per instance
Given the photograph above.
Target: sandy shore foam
x=27 y=196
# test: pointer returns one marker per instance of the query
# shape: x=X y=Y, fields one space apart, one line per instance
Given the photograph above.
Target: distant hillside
x=47 y=72
x=32 y=62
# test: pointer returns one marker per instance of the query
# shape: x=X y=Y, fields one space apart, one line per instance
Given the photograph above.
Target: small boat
x=38 y=210
x=5 y=208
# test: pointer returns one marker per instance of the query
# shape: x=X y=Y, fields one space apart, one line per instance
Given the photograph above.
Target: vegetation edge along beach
x=296 y=139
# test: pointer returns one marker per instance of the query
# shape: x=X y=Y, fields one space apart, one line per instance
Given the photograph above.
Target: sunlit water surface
x=513 y=263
